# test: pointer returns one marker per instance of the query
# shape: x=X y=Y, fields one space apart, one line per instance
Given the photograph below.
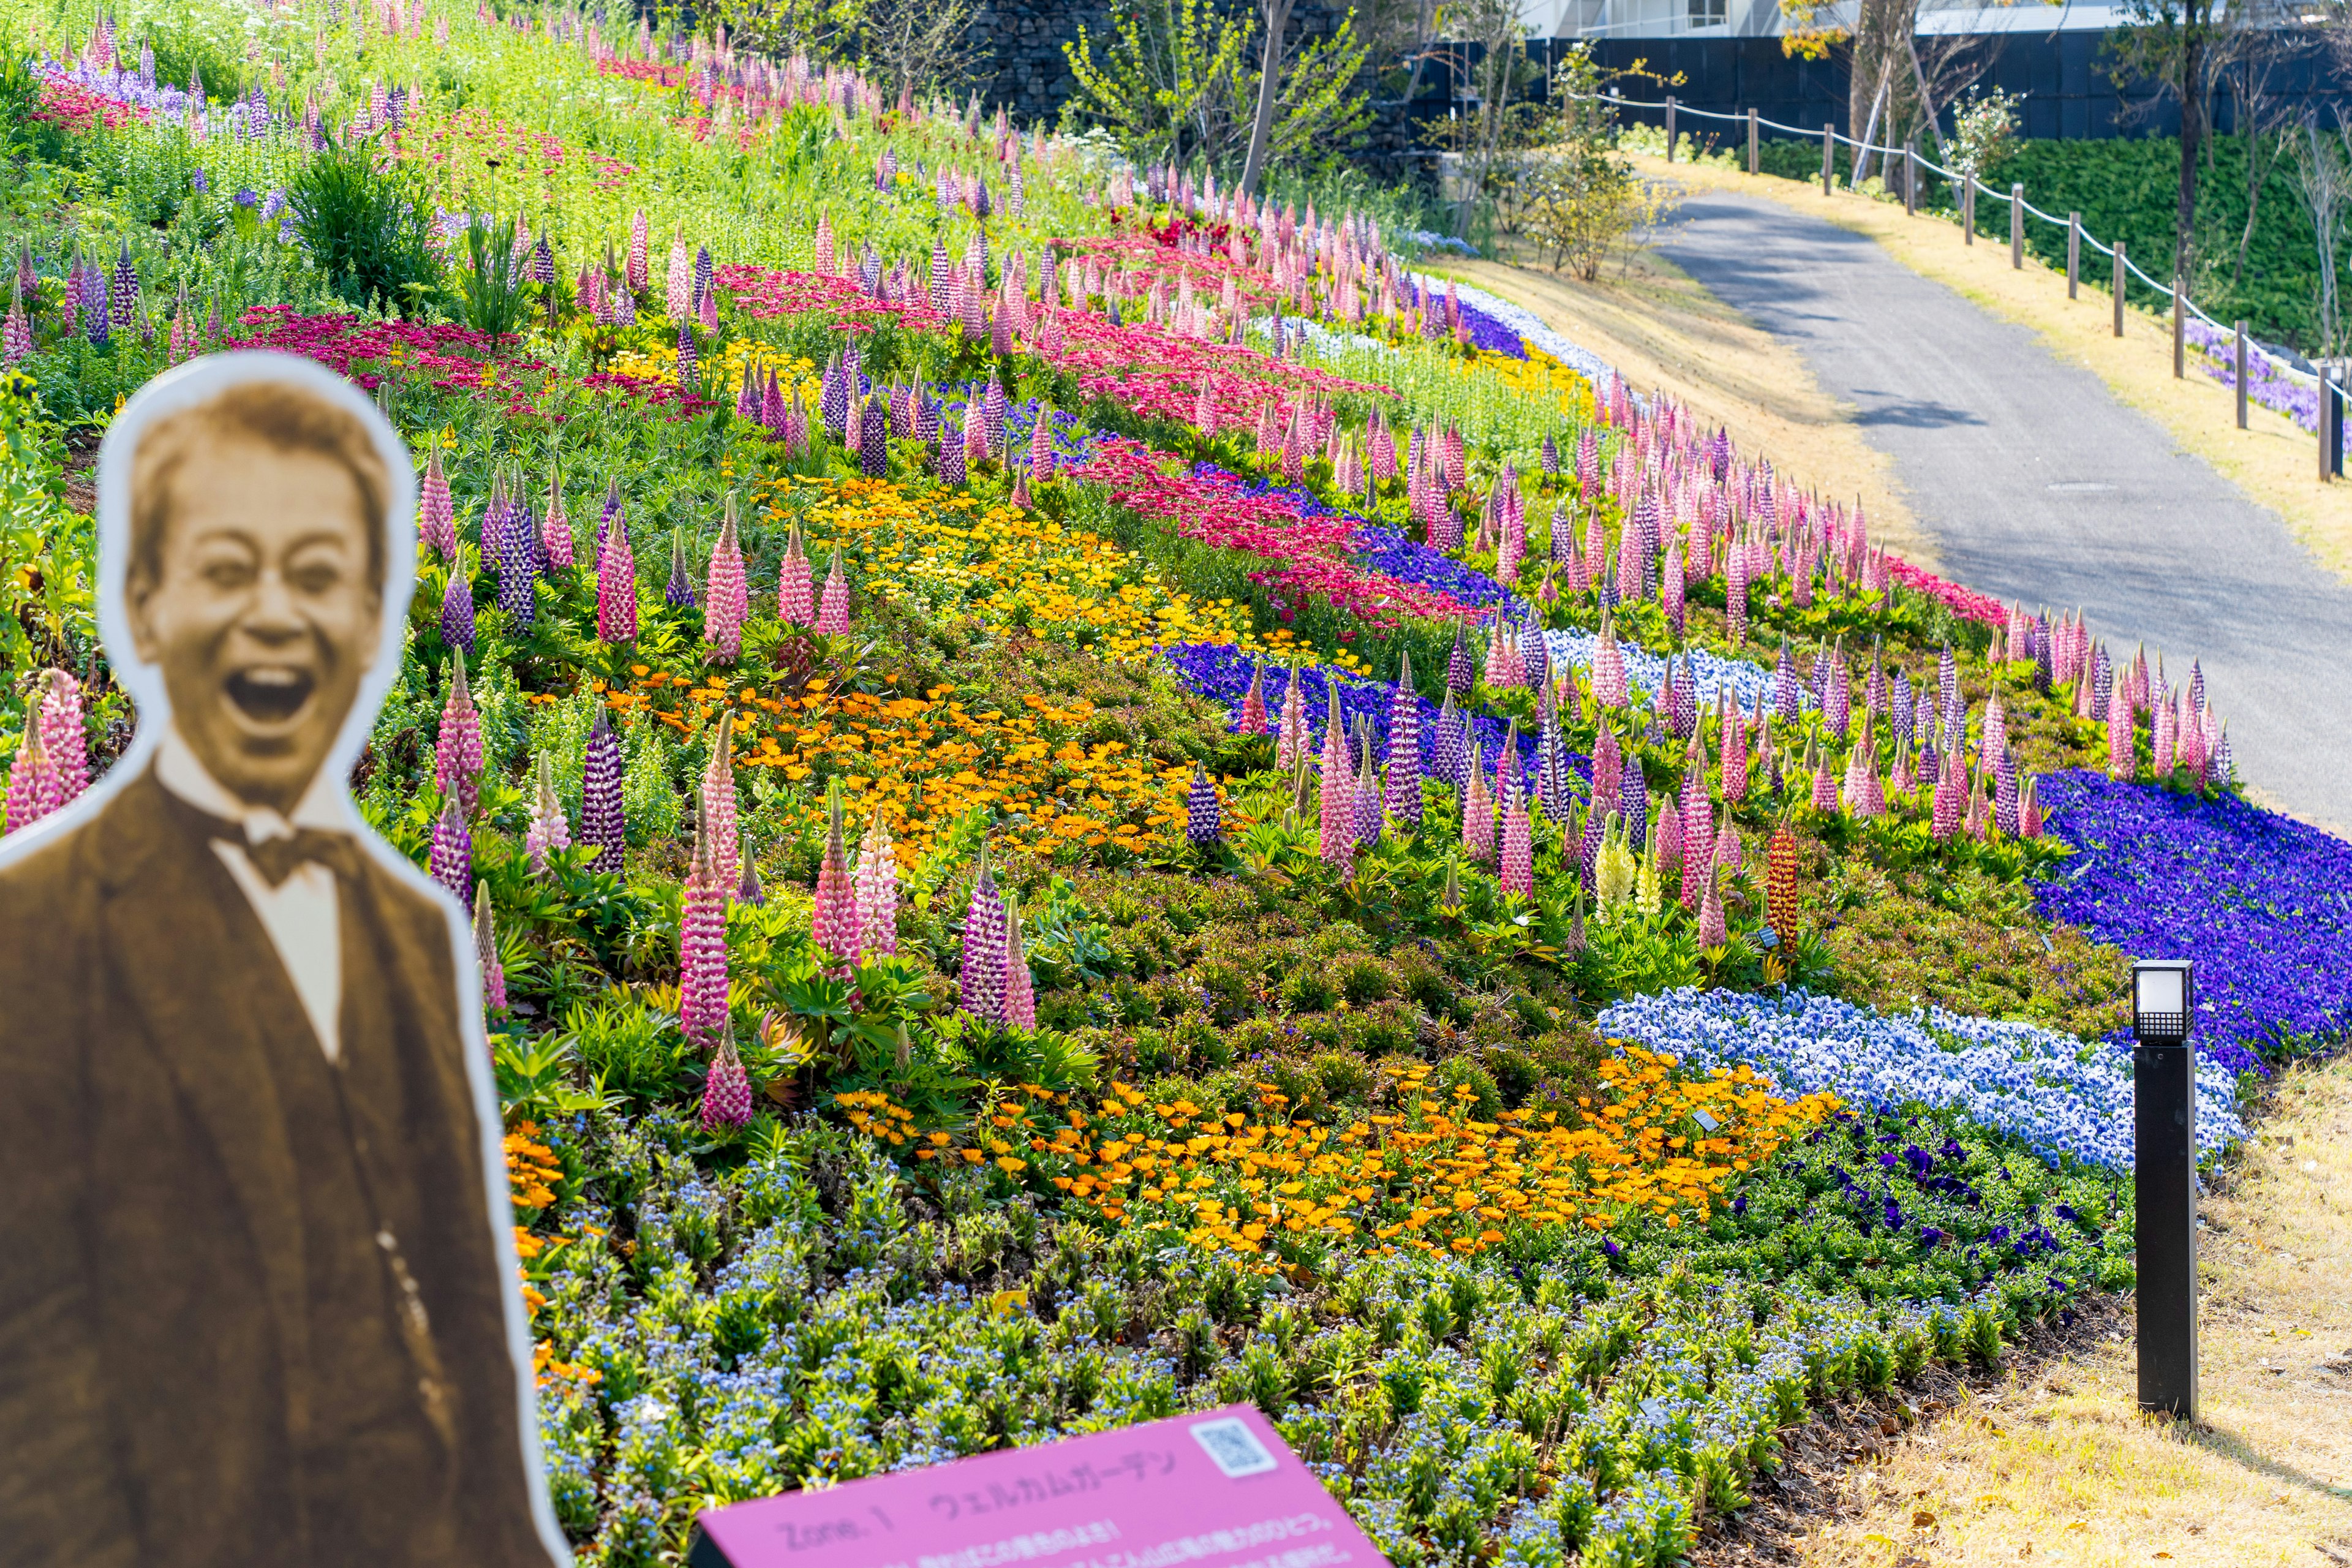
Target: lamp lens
x=2159 y=991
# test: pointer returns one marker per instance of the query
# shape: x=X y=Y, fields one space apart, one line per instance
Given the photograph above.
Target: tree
x=1578 y=194
x=921 y=47
x=1277 y=21
x=2172 y=42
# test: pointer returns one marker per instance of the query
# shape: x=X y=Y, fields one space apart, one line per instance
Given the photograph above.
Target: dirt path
x=1663 y=331
x=2061 y=1468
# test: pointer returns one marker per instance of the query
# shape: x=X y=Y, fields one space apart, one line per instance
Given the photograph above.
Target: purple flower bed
x=2267 y=381
x=1382 y=550
x=1221 y=673
x=1485 y=331
x=2260 y=902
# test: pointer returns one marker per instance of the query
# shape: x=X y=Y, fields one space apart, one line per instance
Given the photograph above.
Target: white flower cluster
x=2058 y=1094
x=1647 y=670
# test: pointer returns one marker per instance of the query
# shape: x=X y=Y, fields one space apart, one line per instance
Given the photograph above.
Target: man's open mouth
x=268 y=695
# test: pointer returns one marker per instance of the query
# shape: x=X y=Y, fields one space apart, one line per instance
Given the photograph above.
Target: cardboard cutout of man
x=258 y=1292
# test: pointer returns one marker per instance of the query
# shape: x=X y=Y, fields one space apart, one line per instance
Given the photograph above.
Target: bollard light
x=2164 y=1183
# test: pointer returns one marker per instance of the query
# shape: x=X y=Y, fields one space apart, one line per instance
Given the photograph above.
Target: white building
x=1762 y=19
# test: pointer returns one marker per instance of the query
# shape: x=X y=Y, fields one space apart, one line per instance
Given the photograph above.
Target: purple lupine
x=94 y=300
x=678 y=594
x=452 y=859
x=2005 y=813
x=1404 y=748
x=603 y=825
x=874 y=439
x=1450 y=760
x=688 y=378
x=1553 y=790
x=124 y=303
x=1203 y=820
x=517 y=563
x=953 y=470
x=1461 y=674
x=457 y=610
x=981 y=982
x=1369 y=815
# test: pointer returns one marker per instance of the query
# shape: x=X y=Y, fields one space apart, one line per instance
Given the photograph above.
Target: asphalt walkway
x=2038 y=485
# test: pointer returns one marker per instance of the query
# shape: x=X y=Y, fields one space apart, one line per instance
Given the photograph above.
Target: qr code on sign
x=1233 y=1446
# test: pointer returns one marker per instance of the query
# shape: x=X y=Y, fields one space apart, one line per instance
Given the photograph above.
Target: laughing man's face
x=262 y=618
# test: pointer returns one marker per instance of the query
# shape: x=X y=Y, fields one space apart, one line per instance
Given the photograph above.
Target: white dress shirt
x=301 y=914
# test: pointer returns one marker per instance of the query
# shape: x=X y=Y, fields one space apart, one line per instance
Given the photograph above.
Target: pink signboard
x=1218 y=1489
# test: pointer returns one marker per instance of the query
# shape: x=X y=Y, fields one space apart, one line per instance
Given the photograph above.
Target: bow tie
x=278 y=858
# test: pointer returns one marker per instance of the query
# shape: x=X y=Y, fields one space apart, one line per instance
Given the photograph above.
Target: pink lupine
x=436 y=516
x=1995 y=737
x=1020 y=989
x=1478 y=813
x=64 y=734
x=702 y=952
x=1668 y=832
x=1609 y=683
x=1713 y=930
x=616 y=585
x=726 y=601
x=1252 y=714
x=2122 y=758
x=17 y=335
x=874 y=881
x=981 y=982
x=1290 y=740
x=1698 y=811
x=832 y=923
x=1517 y=870
x=1980 y=817
x=1732 y=742
x=1825 y=792
x=717 y=817
x=550 y=829
x=795 y=597
x=727 y=1090
x=832 y=614
x=679 y=294
x=1337 y=836
x=638 y=274
x=555 y=530
x=2029 y=816
x=486 y=952
x=1943 y=818
x=2160 y=735
x=32 y=788
x=451 y=861
x=458 y=750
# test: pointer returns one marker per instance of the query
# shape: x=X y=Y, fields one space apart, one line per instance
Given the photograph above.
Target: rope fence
x=2326 y=389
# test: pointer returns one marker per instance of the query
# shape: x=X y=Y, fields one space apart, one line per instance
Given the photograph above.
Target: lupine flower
x=876 y=882
x=1369 y=815
x=1338 y=821
x=1203 y=817
x=550 y=828
x=727 y=1090
x=833 y=922
x=981 y=982
x=679 y=292
x=1478 y=812
x=33 y=790
x=1020 y=990
x=702 y=951
x=1404 y=748
x=64 y=734
x=436 y=516
x=794 y=592
x=1291 y=742
x=17 y=335
x=1713 y=928
x=486 y=952
x=1608 y=668
x=457 y=609
x=637 y=274
x=718 y=800
x=832 y=614
x=555 y=530
x=727 y=597
x=1460 y=675
x=458 y=750
x=2005 y=795
x=678 y=593
x=603 y=827
x=616 y=586
x=1780 y=882
x=1518 y=866
x=1448 y=745
x=452 y=859
x=1733 y=743
x=1253 y=715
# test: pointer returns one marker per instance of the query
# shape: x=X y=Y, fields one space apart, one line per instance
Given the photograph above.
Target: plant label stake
x=1829 y=151
x=2073 y=253
x=2017 y=226
x=2164 y=1183
x=1752 y=142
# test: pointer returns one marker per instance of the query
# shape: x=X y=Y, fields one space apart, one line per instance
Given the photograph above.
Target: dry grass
x=2062 y=1468
x=1662 y=330
x=2273 y=461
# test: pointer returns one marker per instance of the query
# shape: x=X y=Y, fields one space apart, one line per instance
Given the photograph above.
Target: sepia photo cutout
x=258 y=1297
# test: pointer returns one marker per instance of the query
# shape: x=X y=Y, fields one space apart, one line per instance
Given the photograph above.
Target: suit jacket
x=154 y=1377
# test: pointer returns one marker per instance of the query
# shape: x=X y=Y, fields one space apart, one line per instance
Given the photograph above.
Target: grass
x=2273 y=461
x=2062 y=1470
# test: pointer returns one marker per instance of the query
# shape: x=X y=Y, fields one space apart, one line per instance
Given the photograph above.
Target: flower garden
x=1083 y=797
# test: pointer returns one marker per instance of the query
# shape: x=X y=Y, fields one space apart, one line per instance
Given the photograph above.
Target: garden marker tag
x=1218 y=1489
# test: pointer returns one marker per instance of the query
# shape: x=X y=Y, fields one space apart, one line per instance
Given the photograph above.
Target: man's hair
x=275 y=413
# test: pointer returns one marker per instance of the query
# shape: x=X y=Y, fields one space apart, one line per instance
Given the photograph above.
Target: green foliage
x=367 y=225
x=496 y=284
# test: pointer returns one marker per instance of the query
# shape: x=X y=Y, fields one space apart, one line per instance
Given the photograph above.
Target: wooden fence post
x=2120 y=288
x=2241 y=375
x=1829 y=150
x=2073 y=252
x=1670 y=128
x=1752 y=166
x=2017 y=226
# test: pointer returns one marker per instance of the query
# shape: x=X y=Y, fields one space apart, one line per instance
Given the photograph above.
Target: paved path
x=2038 y=485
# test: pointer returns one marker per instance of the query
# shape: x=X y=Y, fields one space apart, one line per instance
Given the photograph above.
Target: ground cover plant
x=1083 y=797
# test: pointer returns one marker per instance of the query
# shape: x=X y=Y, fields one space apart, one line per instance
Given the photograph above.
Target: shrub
x=365 y=226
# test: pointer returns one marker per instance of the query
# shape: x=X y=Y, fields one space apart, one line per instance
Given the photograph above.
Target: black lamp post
x=2164 y=1183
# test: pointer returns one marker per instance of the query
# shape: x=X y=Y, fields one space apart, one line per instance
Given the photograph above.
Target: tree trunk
x=2192 y=131
x=1277 y=18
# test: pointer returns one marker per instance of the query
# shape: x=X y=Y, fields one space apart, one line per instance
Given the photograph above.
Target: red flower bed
x=453 y=358
x=73 y=107
x=768 y=293
x=1310 y=554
